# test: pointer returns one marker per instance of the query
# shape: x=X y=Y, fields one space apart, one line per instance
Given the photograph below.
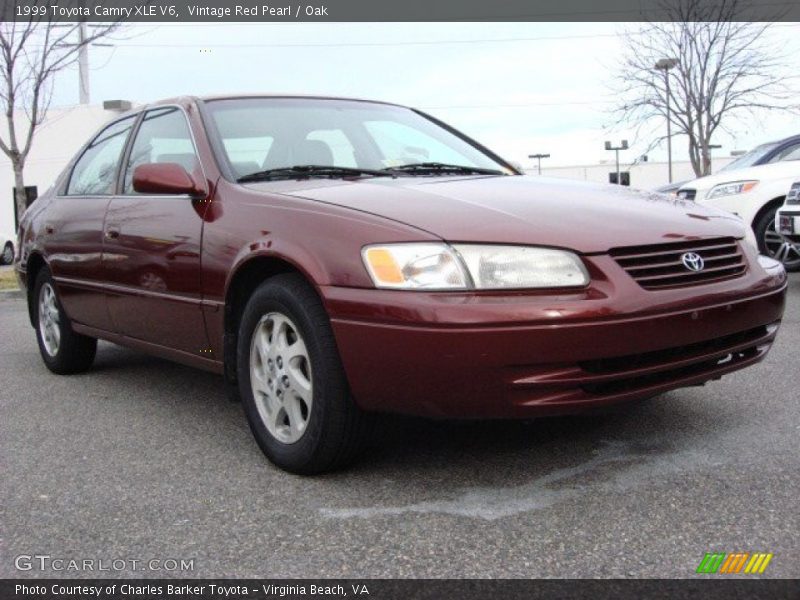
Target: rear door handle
x=112 y=233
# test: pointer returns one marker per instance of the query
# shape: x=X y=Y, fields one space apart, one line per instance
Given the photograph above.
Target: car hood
x=522 y=210
x=778 y=170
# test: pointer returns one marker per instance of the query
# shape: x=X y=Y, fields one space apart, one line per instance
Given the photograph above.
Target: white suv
x=755 y=194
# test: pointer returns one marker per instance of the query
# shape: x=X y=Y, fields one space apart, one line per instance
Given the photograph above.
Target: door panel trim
x=180 y=356
x=113 y=288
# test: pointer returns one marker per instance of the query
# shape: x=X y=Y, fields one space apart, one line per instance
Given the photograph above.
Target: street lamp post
x=623 y=146
x=665 y=64
x=539 y=158
x=710 y=148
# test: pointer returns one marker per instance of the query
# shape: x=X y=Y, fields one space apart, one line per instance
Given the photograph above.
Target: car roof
x=791 y=138
x=212 y=97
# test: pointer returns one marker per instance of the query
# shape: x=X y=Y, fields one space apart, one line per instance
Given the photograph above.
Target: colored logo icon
x=734 y=562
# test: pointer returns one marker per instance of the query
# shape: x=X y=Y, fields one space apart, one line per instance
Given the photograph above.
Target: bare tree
x=33 y=50
x=718 y=69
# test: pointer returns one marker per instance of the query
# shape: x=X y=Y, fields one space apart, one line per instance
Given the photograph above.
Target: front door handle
x=49 y=229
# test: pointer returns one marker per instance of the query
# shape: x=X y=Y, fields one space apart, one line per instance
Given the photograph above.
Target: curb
x=11 y=295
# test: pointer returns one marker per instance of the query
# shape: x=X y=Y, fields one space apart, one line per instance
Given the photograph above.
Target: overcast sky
x=519 y=88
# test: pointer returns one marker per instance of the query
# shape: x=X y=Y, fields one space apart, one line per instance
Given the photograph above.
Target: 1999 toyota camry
x=333 y=258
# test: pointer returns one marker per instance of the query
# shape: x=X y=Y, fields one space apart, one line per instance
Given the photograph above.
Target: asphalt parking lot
x=144 y=459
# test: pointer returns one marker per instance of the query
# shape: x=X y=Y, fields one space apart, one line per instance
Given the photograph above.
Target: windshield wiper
x=435 y=168
x=303 y=171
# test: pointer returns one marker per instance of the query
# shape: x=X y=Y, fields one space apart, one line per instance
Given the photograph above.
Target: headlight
x=729 y=189
x=472 y=266
x=504 y=267
x=415 y=266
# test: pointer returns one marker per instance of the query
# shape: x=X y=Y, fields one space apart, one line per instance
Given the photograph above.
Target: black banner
x=380 y=589
x=407 y=10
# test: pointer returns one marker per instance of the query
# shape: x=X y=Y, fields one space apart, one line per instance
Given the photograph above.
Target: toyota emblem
x=693 y=261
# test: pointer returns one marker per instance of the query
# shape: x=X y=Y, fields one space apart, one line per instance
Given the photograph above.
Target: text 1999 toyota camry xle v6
x=332 y=258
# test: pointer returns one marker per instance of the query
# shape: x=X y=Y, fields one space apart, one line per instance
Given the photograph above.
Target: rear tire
x=291 y=380
x=63 y=351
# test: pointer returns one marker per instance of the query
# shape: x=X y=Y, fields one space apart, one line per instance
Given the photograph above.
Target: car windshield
x=265 y=134
x=750 y=158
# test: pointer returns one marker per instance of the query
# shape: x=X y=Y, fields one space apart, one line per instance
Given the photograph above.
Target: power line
x=380 y=44
x=360 y=44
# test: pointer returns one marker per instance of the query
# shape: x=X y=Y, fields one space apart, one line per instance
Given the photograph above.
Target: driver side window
x=162 y=137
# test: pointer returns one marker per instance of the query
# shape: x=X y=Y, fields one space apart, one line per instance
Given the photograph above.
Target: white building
x=55 y=142
x=645 y=175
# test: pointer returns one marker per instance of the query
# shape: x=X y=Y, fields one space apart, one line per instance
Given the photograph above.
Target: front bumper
x=519 y=355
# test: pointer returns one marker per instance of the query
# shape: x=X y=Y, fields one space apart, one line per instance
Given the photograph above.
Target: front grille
x=793 y=197
x=646 y=372
x=665 y=357
x=663 y=377
x=687 y=194
x=687 y=361
x=661 y=266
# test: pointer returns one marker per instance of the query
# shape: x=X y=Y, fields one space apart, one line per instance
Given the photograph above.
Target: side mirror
x=165 y=178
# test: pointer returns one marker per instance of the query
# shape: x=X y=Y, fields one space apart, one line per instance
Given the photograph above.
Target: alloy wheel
x=8 y=255
x=49 y=319
x=780 y=247
x=280 y=376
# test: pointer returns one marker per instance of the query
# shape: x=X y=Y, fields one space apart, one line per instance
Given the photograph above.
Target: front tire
x=291 y=380
x=775 y=245
x=63 y=351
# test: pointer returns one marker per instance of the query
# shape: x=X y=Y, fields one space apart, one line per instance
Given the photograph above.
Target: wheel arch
x=34 y=264
x=243 y=281
x=767 y=206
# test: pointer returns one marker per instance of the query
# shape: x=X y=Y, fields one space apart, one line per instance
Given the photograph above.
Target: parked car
x=779 y=150
x=787 y=221
x=334 y=258
x=755 y=194
x=770 y=152
x=6 y=251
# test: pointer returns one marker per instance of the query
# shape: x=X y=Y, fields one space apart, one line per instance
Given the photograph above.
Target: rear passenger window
x=95 y=171
x=162 y=137
x=790 y=153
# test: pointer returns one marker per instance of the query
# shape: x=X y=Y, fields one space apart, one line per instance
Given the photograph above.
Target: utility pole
x=710 y=148
x=539 y=157
x=623 y=146
x=665 y=64
x=83 y=63
x=84 y=95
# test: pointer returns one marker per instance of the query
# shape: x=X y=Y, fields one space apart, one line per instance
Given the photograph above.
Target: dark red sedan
x=333 y=258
